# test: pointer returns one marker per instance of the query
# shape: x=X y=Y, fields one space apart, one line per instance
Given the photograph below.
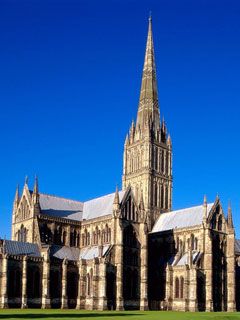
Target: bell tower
x=147 y=163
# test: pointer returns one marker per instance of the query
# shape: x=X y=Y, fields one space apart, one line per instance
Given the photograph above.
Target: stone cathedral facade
x=125 y=250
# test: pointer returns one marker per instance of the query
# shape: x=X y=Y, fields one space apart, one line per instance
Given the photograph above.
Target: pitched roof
x=21 y=248
x=184 y=258
x=60 y=207
x=60 y=252
x=93 y=252
x=76 y=210
x=74 y=254
x=100 y=206
x=178 y=219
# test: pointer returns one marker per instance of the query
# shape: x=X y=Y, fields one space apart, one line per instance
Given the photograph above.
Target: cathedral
x=126 y=250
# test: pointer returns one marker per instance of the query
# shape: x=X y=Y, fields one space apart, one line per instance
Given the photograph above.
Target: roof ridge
x=106 y=195
x=184 y=209
x=60 y=197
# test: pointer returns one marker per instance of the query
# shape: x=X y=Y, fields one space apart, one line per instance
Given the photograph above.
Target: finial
x=16 y=199
x=205 y=200
x=150 y=16
x=116 y=197
x=35 y=189
x=169 y=140
x=229 y=205
x=229 y=217
x=26 y=180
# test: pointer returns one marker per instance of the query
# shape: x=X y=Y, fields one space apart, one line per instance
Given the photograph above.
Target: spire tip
x=150 y=16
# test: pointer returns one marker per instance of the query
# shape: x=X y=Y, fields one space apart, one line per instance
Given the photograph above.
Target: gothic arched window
x=64 y=238
x=181 y=288
x=88 y=239
x=22 y=235
x=156 y=194
x=196 y=244
x=156 y=158
x=177 y=288
x=166 y=197
x=162 y=197
x=167 y=159
x=220 y=223
x=162 y=161
x=109 y=235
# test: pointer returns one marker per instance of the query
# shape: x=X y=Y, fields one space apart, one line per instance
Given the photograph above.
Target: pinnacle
x=116 y=197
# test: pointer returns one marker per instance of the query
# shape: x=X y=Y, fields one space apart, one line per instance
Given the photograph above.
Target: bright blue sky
x=70 y=76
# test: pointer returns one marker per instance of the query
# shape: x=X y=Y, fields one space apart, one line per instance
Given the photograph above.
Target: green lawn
x=131 y=315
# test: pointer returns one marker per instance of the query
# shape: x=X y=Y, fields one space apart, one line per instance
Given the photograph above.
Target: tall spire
x=148 y=108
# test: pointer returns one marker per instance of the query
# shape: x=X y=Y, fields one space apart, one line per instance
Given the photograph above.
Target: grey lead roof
x=60 y=252
x=61 y=207
x=21 y=248
x=184 y=259
x=76 y=210
x=93 y=252
x=74 y=254
x=100 y=206
x=184 y=218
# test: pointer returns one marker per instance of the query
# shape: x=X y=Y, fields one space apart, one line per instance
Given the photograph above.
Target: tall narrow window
x=162 y=197
x=167 y=164
x=166 y=197
x=156 y=158
x=176 y=288
x=156 y=194
x=162 y=161
x=181 y=287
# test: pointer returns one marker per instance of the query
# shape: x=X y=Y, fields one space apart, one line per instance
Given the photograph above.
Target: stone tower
x=147 y=160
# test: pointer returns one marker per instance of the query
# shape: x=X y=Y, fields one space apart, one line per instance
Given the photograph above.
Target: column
x=81 y=301
x=24 y=283
x=186 y=289
x=119 y=264
x=208 y=270
x=46 y=303
x=169 y=287
x=193 y=289
x=144 y=268
x=95 y=278
x=102 y=305
x=64 y=304
x=231 y=294
x=4 y=283
x=78 y=307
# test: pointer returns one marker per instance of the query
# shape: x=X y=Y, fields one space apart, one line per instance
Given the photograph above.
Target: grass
x=131 y=315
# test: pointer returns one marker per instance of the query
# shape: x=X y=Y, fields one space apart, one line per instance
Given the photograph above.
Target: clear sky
x=70 y=75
